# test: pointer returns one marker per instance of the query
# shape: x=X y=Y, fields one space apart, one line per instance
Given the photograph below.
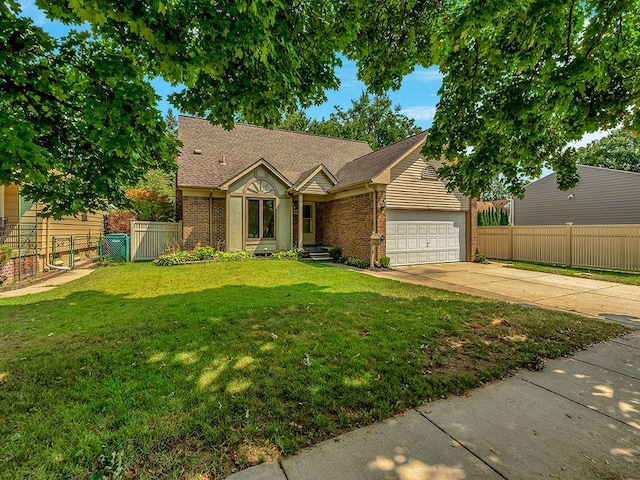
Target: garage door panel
x=415 y=237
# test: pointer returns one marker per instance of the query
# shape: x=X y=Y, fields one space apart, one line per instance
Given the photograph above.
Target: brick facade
x=381 y=222
x=18 y=268
x=178 y=205
x=347 y=223
x=296 y=214
x=472 y=230
x=196 y=223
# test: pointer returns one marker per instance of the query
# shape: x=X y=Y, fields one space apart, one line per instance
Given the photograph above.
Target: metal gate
x=75 y=251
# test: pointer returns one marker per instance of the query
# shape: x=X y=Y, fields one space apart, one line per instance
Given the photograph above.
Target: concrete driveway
x=585 y=296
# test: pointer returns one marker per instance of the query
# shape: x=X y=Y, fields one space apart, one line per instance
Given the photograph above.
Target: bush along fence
x=609 y=247
x=493 y=217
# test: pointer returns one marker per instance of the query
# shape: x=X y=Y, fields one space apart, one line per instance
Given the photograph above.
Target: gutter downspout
x=375 y=225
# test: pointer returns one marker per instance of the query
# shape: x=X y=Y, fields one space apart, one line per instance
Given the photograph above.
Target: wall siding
x=347 y=223
x=318 y=185
x=11 y=203
x=408 y=190
x=603 y=197
x=71 y=226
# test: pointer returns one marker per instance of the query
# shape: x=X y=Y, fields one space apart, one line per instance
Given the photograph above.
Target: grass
x=196 y=371
x=626 y=278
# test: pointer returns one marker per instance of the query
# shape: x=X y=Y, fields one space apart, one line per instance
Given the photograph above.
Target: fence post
x=132 y=240
x=568 y=254
x=510 y=242
x=71 y=252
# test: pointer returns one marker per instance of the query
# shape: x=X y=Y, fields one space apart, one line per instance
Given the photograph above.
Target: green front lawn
x=196 y=371
x=626 y=278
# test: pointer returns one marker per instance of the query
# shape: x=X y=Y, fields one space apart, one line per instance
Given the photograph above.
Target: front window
x=261 y=219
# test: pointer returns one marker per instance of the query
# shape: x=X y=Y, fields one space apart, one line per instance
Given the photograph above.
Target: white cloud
x=420 y=112
x=425 y=76
x=588 y=138
x=28 y=8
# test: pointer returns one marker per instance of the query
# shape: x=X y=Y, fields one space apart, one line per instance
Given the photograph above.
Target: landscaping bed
x=195 y=372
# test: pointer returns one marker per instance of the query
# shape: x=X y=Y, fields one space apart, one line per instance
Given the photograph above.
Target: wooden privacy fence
x=612 y=247
x=150 y=239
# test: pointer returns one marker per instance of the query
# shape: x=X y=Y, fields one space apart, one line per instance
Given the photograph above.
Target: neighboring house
x=264 y=190
x=603 y=197
x=31 y=237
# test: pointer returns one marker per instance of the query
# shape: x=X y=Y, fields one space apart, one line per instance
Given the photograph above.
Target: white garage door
x=416 y=236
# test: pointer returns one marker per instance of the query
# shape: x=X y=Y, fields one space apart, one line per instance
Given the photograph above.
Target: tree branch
x=569 y=31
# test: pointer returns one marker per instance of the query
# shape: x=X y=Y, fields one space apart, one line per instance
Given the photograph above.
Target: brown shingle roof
x=371 y=165
x=291 y=153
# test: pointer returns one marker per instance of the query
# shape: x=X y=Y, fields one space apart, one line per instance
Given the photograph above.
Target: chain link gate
x=73 y=252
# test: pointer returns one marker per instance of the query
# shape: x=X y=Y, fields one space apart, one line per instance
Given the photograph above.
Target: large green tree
x=521 y=79
x=619 y=150
x=78 y=116
x=78 y=120
x=371 y=118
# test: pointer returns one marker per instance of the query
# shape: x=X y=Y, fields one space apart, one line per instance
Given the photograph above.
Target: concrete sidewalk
x=580 y=295
x=579 y=418
x=48 y=284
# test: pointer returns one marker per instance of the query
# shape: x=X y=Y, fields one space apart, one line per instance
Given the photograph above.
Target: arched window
x=260 y=187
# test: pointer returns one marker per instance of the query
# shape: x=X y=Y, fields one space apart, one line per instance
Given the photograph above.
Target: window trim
x=261 y=236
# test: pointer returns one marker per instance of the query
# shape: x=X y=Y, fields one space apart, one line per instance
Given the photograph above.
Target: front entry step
x=317 y=253
x=320 y=257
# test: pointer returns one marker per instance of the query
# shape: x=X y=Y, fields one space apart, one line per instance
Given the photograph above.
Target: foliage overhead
x=521 y=79
x=620 y=150
x=371 y=119
x=74 y=134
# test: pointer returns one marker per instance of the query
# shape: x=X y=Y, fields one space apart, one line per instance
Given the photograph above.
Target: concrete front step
x=320 y=257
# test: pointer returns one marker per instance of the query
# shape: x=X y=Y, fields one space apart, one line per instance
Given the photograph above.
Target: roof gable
x=370 y=166
x=318 y=174
x=223 y=154
x=262 y=162
x=319 y=182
